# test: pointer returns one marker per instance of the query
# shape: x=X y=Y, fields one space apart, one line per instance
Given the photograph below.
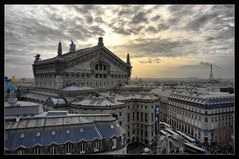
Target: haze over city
x=164 y=41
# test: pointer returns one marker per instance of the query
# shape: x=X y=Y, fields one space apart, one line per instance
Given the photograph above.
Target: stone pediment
x=102 y=54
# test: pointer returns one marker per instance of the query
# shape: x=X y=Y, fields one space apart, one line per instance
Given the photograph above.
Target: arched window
x=53 y=149
x=114 y=144
x=37 y=150
x=96 y=67
x=100 y=66
x=96 y=145
x=68 y=148
x=104 y=67
x=82 y=147
x=20 y=151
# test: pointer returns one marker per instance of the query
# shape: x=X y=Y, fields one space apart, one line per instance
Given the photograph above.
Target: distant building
x=95 y=67
x=199 y=115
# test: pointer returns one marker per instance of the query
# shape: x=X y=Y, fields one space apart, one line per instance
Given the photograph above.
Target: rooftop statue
x=37 y=57
x=72 y=47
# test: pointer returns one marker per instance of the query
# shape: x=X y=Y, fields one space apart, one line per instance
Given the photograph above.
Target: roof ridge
x=97 y=130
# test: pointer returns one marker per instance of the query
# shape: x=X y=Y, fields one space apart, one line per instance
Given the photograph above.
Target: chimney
x=100 y=42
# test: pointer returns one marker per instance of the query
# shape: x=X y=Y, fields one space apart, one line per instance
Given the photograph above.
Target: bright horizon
x=164 y=41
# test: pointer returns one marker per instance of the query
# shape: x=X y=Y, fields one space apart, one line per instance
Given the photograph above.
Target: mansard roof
x=69 y=56
x=61 y=133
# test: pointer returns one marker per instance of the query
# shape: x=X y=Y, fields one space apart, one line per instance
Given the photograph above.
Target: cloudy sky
x=164 y=41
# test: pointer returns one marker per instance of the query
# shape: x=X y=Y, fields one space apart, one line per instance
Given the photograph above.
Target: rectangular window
x=133 y=116
x=205 y=119
x=146 y=134
x=122 y=140
x=20 y=152
x=114 y=142
x=37 y=151
x=82 y=147
x=146 y=117
x=68 y=148
x=142 y=117
x=52 y=150
x=152 y=117
x=128 y=117
x=137 y=116
x=96 y=145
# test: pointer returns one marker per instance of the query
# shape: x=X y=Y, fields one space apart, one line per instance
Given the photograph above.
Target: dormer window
x=22 y=135
x=38 y=134
x=67 y=131
x=81 y=130
x=53 y=132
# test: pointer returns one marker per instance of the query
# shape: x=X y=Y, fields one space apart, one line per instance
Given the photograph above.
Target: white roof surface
x=21 y=103
x=75 y=88
x=58 y=101
x=35 y=96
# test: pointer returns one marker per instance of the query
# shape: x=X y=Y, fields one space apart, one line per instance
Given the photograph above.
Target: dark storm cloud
x=121 y=30
x=149 y=60
x=88 y=9
x=162 y=26
x=200 y=65
x=181 y=10
x=217 y=16
x=155 y=18
x=96 y=30
x=208 y=64
x=157 y=47
x=139 y=18
x=127 y=10
x=199 y=22
x=89 y=19
x=99 y=20
x=151 y=29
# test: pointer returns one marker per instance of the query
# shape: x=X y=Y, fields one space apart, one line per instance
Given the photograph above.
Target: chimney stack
x=100 y=42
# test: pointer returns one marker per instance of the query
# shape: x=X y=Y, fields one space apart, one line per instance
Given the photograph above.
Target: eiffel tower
x=211 y=75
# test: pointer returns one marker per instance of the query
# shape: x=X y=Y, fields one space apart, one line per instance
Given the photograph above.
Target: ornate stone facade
x=95 y=67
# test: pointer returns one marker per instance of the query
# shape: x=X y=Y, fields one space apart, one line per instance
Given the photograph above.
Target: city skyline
x=164 y=41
